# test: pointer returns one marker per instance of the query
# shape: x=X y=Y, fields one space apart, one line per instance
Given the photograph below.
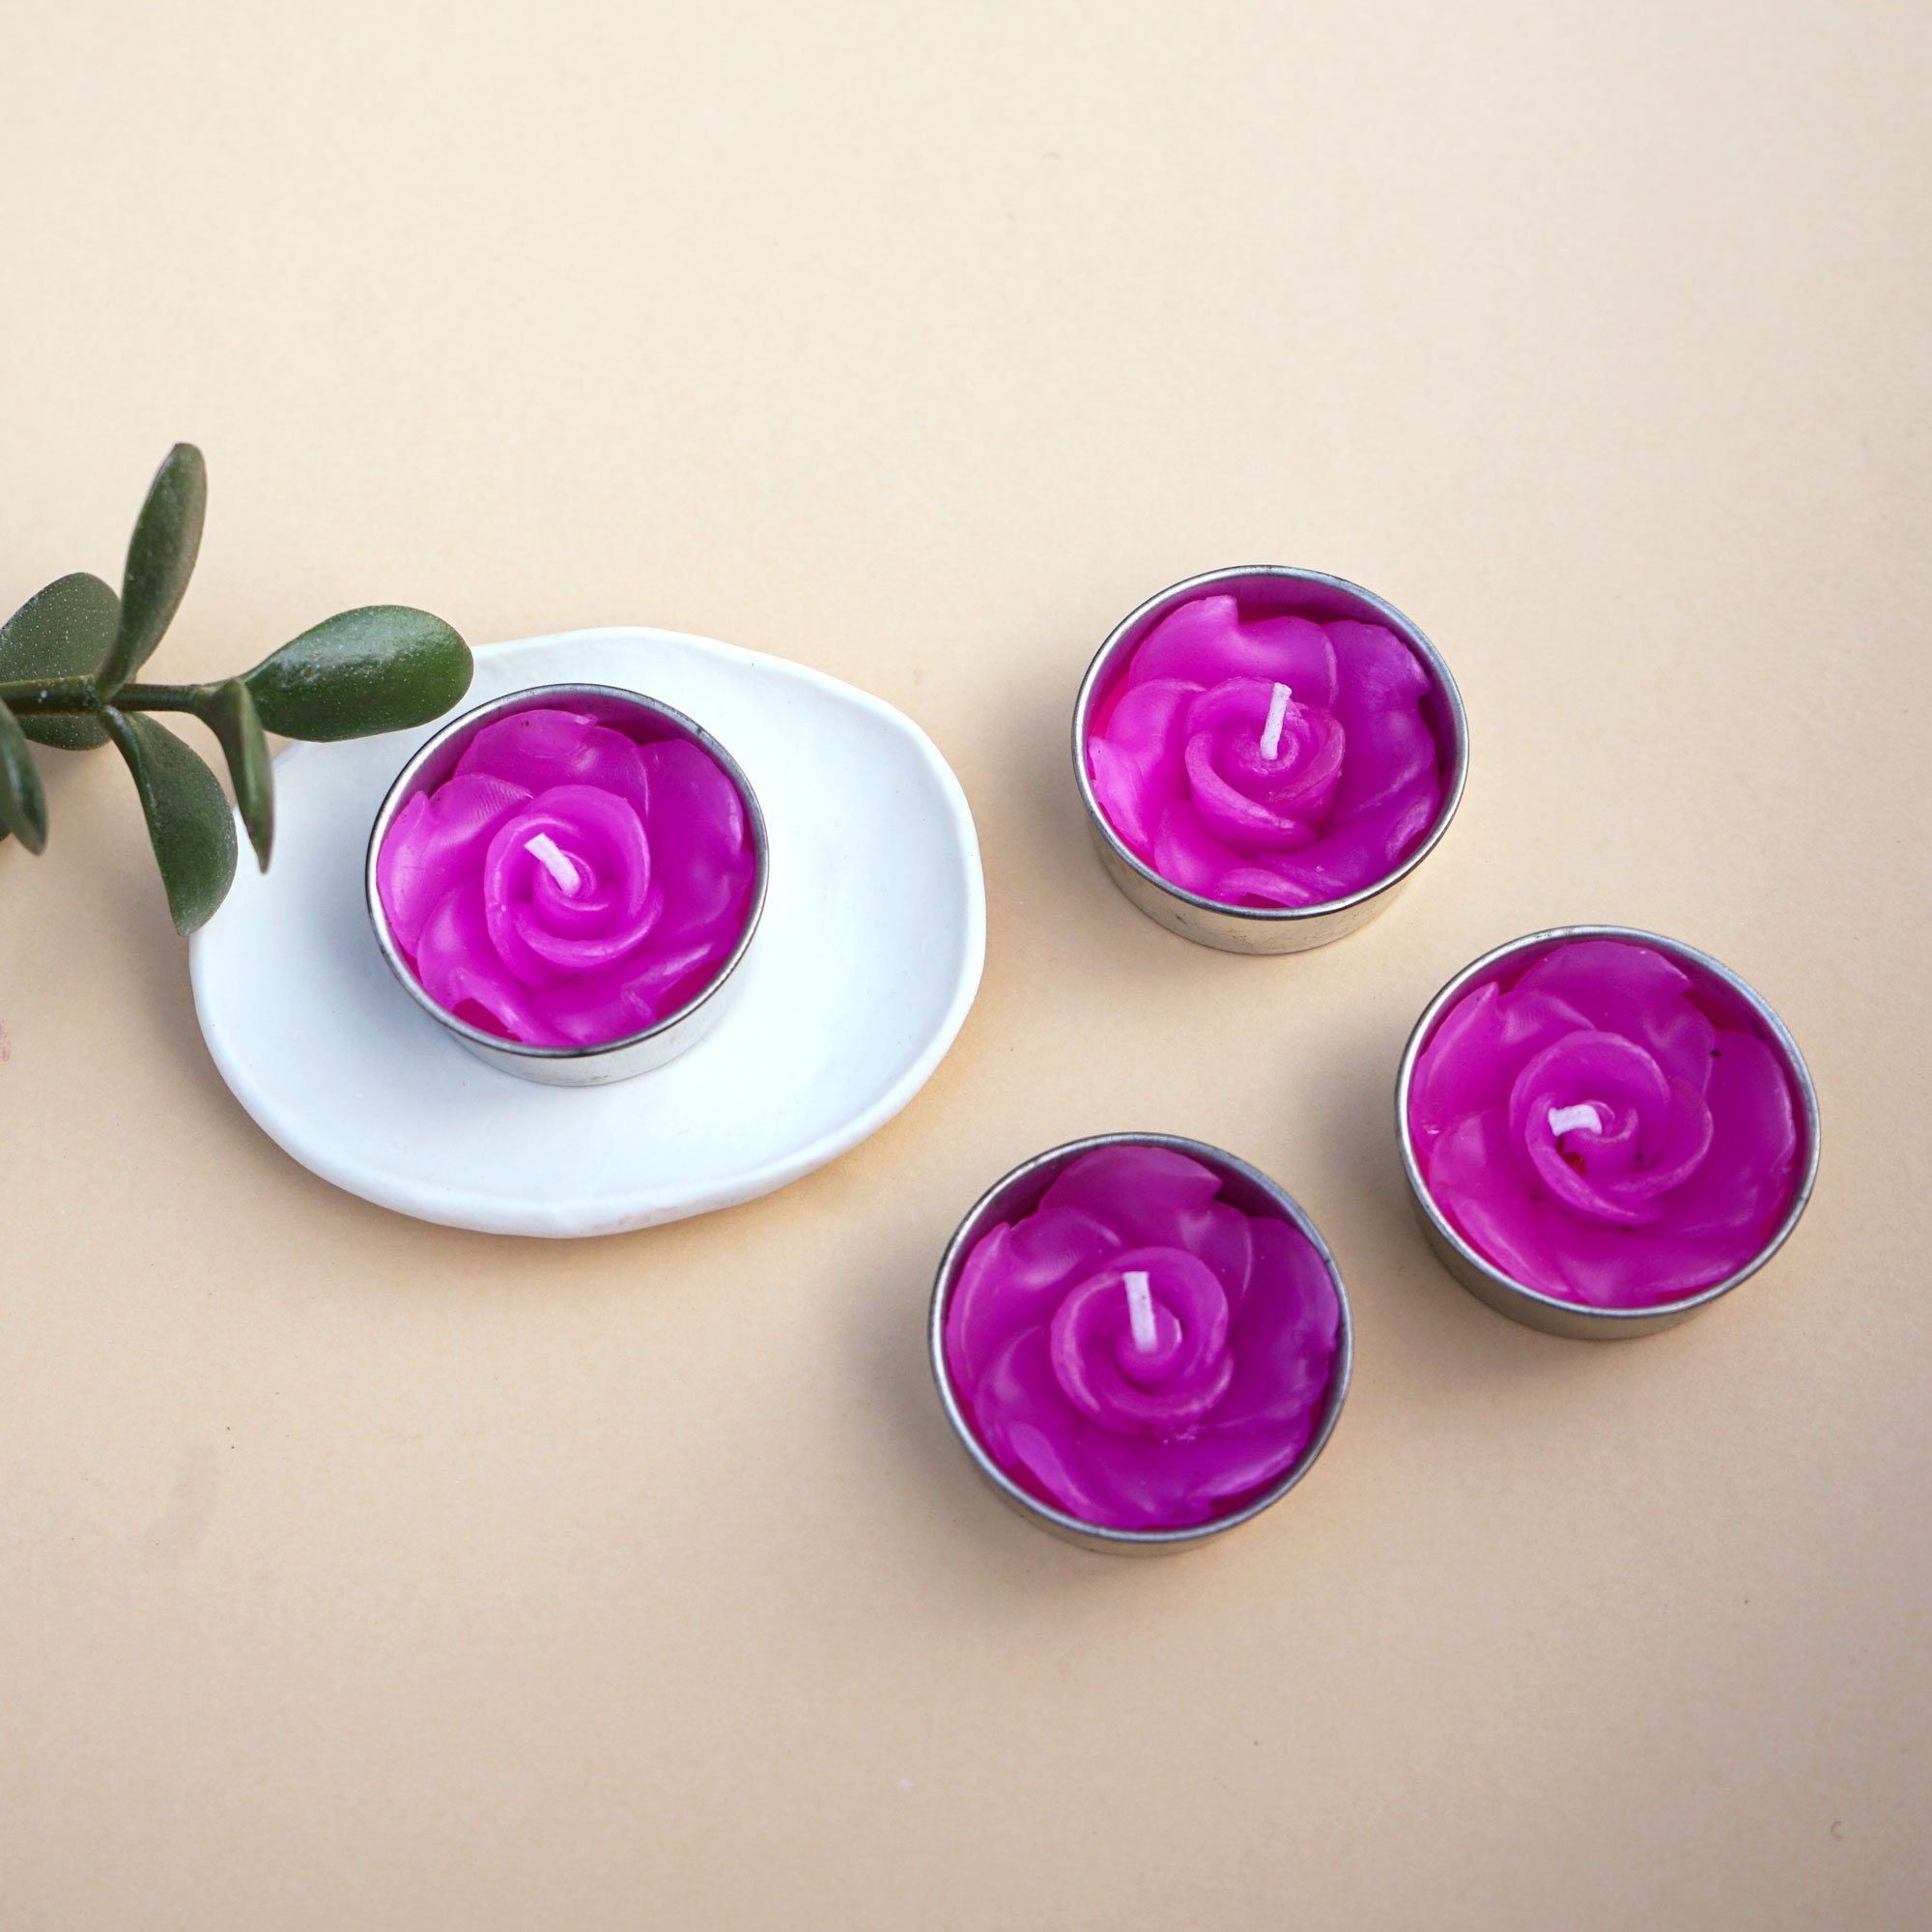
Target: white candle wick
x=1277 y=717
x=1565 y=1119
x=1140 y=1312
x=556 y=860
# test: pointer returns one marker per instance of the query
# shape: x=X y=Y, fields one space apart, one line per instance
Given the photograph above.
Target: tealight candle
x=1604 y=1130
x=566 y=878
x=1265 y=755
x=1140 y=1340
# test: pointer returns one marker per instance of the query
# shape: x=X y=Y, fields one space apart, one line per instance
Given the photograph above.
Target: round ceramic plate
x=864 y=968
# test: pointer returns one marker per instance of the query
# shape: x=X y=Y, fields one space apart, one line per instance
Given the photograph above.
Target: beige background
x=359 y=1573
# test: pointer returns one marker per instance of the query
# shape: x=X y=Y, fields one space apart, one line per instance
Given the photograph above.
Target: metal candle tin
x=612 y=1059
x=1019 y=1193
x=1274 y=591
x=1527 y=1305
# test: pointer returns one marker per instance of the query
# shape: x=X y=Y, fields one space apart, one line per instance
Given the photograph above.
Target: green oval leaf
x=188 y=820
x=63 y=631
x=24 y=803
x=161 y=559
x=229 y=712
x=380 y=668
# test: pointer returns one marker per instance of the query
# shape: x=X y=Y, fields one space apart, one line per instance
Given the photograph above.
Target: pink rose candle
x=565 y=878
x=1267 y=754
x=1140 y=1340
x=1604 y=1129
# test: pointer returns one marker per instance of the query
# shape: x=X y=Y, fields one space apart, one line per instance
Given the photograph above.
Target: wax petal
x=535 y=748
x=1150 y=1485
x=603 y=837
x=1379 y=685
x=1291 y=1279
x=1120 y=797
x=1030 y=1429
x=1144 y=1195
x=1135 y=763
x=637 y=992
x=1670 y=1158
x=1239 y=822
x=1186 y=852
x=1139 y=1483
x=1625 y=1267
x=1472 y=1175
x=1284 y=1342
x=1744 y=1185
x=1583 y=1067
x=541 y=748
x=1297 y=652
x=1471 y=1060
x=1223 y=1236
x=1205 y=641
x=1356 y=853
x=1306 y=768
x=457 y=965
x=1240 y=704
x=594 y=1009
x=611 y=762
x=1014 y=1279
x=1242 y=1459
x=1086 y=1336
x=434 y=840
x=1634 y=990
x=700 y=844
x=620 y=936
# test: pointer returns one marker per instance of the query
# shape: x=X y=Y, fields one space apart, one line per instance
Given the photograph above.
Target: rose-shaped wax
x=1601 y=1130
x=1267 y=761
x=1138 y=1353
x=568 y=885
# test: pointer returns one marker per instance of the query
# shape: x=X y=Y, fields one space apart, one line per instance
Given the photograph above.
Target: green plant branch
x=54 y=697
x=68 y=655
x=68 y=697
x=165 y=697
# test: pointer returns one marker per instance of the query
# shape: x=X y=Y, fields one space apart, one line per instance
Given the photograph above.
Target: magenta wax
x=1261 y=759
x=574 y=880
x=1134 y=1349
x=1610 y=1122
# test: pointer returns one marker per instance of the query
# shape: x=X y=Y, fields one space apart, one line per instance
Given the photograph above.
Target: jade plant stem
x=70 y=695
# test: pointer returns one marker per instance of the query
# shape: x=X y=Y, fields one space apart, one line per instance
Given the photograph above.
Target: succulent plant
x=67 y=663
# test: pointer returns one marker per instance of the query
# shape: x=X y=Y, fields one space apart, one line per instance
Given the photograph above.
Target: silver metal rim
x=1074 y=1528
x=1179 y=593
x=1654 y=1314
x=472 y=720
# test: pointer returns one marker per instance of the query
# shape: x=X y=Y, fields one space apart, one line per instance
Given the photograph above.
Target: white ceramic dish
x=867 y=961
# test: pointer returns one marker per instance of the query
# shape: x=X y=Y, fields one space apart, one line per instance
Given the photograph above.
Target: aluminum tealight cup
x=1268 y=589
x=1746 y=1009
x=1019 y=1193
x=611 y=1060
